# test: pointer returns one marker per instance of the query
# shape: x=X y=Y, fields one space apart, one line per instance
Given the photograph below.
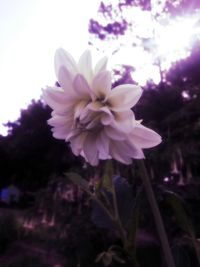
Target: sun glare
x=174 y=41
x=153 y=42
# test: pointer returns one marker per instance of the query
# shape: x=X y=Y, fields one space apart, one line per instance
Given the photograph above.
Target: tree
x=171 y=106
x=139 y=31
x=31 y=153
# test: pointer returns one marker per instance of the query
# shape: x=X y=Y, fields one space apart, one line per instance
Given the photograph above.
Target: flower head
x=96 y=120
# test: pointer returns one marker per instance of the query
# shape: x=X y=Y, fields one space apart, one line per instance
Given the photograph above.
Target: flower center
x=88 y=121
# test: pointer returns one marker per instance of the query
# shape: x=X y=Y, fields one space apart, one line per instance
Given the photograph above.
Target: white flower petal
x=102 y=144
x=90 y=149
x=107 y=119
x=145 y=137
x=81 y=87
x=123 y=121
x=77 y=143
x=86 y=115
x=93 y=123
x=65 y=81
x=85 y=66
x=61 y=132
x=114 y=134
x=106 y=116
x=117 y=153
x=134 y=151
x=101 y=65
x=79 y=108
x=94 y=106
x=55 y=99
x=124 y=97
x=101 y=84
x=57 y=121
x=56 y=93
x=64 y=59
x=124 y=151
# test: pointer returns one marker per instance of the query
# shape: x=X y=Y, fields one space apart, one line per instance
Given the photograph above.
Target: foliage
x=116 y=23
x=27 y=261
x=78 y=239
x=9 y=231
x=30 y=153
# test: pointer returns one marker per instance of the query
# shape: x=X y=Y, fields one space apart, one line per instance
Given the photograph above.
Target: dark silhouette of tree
x=31 y=154
x=116 y=27
x=177 y=120
x=171 y=107
x=185 y=73
x=117 y=22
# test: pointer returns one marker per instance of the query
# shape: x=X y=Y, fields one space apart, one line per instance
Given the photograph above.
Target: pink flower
x=96 y=120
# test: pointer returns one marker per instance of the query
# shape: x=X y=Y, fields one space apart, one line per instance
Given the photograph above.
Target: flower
x=96 y=120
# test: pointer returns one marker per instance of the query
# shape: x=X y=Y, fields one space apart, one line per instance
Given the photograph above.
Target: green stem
x=118 y=222
x=196 y=247
x=95 y=198
x=157 y=216
x=115 y=219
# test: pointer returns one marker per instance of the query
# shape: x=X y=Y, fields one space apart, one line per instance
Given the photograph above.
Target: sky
x=30 y=32
x=154 y=39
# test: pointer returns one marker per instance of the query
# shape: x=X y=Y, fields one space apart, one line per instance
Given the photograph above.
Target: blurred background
x=153 y=43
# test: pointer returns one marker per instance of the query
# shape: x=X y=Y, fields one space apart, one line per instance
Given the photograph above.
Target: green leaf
x=105 y=257
x=182 y=219
x=98 y=186
x=99 y=257
x=108 y=176
x=78 y=180
x=181 y=256
x=180 y=214
x=133 y=224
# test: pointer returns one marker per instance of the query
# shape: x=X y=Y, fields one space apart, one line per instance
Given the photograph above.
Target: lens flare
x=175 y=40
x=153 y=41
